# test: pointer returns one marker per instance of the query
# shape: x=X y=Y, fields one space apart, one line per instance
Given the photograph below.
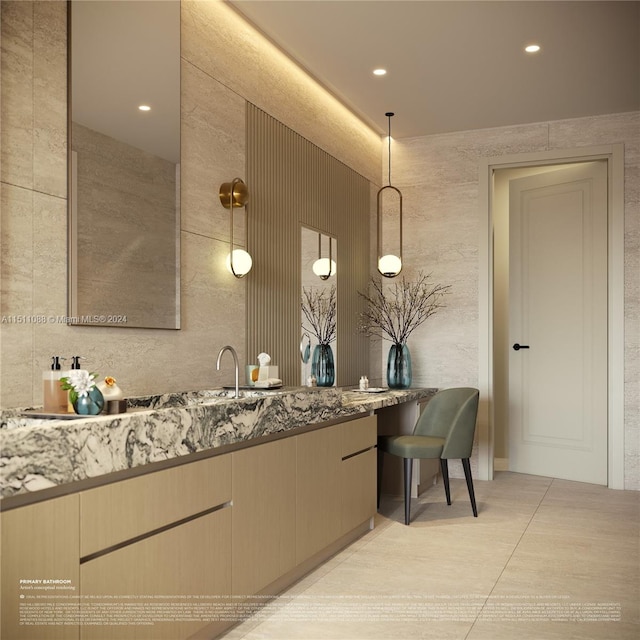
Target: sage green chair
x=445 y=430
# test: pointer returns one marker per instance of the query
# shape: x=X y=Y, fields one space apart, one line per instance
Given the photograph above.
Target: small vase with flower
x=86 y=398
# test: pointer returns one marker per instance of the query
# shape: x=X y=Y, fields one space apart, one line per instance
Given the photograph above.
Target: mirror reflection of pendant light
x=324 y=268
x=389 y=265
x=235 y=194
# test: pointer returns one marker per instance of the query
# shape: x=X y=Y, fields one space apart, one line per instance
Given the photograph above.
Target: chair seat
x=412 y=446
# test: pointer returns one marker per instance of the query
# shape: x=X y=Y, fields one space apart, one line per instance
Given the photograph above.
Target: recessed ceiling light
x=379 y=72
x=532 y=48
x=144 y=107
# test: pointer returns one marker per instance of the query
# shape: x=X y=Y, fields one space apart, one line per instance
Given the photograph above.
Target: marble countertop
x=38 y=454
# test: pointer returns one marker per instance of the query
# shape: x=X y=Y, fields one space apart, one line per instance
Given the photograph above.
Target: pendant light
x=390 y=264
x=235 y=194
x=324 y=268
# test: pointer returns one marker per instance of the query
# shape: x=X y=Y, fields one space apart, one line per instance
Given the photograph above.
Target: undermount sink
x=213 y=396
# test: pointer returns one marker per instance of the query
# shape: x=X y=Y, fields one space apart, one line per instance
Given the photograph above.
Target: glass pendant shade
x=324 y=268
x=389 y=265
x=242 y=263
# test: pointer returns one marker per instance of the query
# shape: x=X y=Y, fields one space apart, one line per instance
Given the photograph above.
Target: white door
x=558 y=314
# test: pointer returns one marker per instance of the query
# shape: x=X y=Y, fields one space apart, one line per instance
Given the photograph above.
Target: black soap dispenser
x=75 y=364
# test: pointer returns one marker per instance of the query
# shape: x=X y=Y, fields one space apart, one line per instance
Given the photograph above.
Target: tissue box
x=270 y=371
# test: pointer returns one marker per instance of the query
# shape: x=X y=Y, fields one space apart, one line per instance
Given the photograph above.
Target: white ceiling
x=455 y=65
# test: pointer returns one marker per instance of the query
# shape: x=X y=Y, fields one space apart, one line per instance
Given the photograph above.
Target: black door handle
x=517 y=347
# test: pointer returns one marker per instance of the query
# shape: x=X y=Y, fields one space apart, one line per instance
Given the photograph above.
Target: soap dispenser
x=75 y=364
x=55 y=397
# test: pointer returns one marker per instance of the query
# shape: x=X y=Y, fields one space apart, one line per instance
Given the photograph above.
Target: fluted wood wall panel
x=292 y=182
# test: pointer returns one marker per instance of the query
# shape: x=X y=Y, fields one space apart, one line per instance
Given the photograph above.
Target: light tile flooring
x=545 y=559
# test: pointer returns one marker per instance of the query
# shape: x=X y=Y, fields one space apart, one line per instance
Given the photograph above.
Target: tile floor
x=545 y=559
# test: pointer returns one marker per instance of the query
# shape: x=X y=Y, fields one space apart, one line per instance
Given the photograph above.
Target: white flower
x=81 y=381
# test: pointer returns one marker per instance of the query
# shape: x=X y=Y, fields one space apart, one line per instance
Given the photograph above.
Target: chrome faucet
x=235 y=360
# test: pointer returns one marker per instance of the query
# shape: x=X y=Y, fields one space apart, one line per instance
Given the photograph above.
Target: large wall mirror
x=319 y=305
x=124 y=155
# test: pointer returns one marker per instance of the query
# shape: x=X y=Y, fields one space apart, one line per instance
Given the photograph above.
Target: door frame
x=614 y=155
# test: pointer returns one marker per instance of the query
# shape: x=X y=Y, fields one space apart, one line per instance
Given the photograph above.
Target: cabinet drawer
x=129 y=508
x=358 y=435
x=165 y=571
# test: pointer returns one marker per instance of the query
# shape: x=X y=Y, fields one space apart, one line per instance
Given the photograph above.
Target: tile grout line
x=506 y=564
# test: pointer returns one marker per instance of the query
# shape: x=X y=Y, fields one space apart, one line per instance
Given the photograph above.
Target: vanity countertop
x=37 y=454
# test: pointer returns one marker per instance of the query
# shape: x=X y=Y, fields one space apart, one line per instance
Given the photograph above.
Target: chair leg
x=444 y=468
x=380 y=461
x=467 y=474
x=408 y=468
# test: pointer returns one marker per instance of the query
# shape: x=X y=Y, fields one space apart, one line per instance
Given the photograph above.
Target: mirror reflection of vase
x=322 y=365
x=399 y=367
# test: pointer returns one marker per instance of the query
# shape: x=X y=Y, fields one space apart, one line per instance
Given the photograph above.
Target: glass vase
x=322 y=365
x=399 y=367
x=90 y=404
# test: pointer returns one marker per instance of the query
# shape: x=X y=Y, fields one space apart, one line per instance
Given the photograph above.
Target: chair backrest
x=451 y=414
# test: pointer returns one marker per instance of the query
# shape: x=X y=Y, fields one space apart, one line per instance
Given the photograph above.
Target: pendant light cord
x=389 y=114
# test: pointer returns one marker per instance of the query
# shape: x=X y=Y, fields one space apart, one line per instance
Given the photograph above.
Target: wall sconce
x=389 y=265
x=235 y=194
x=324 y=268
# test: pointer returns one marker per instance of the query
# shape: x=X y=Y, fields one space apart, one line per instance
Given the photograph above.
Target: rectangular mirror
x=124 y=163
x=319 y=311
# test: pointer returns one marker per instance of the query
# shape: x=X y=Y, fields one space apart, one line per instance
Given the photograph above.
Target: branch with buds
x=320 y=313
x=395 y=312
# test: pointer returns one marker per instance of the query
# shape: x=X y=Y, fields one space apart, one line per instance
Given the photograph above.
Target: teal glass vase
x=399 y=367
x=323 y=366
x=90 y=404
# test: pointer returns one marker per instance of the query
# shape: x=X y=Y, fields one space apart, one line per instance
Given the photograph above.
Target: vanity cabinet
x=148 y=545
x=336 y=483
x=142 y=552
x=166 y=570
x=40 y=542
x=263 y=514
x=297 y=497
x=318 y=500
x=120 y=511
x=358 y=473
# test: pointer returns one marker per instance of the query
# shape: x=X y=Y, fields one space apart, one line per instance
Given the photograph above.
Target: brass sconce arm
x=232 y=195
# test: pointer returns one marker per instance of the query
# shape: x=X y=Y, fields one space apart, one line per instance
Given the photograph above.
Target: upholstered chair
x=445 y=430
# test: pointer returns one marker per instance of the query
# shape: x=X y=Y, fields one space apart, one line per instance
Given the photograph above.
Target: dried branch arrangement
x=395 y=312
x=320 y=312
